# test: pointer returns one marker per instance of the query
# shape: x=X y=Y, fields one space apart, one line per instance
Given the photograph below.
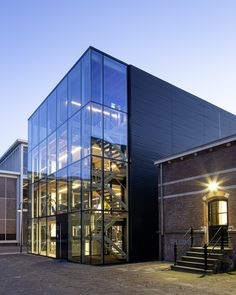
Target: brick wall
x=183 y=200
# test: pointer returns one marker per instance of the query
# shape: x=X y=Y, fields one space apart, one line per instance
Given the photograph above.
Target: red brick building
x=197 y=189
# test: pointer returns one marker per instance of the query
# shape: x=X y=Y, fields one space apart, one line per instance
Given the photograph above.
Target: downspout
x=161 y=240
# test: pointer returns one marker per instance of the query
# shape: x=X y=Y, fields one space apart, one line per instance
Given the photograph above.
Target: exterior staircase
x=194 y=261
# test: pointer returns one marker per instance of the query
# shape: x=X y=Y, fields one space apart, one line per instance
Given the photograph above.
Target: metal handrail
x=214 y=245
x=189 y=231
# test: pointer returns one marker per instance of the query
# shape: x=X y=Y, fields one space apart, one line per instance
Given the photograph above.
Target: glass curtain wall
x=78 y=163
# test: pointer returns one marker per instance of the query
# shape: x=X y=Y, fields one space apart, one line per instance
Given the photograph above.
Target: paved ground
x=28 y=274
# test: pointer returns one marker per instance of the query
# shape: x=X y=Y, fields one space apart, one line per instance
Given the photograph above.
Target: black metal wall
x=163 y=120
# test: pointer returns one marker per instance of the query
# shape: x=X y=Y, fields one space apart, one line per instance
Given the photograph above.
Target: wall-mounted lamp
x=213 y=186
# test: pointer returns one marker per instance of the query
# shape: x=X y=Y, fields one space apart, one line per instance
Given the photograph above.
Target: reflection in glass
x=43 y=121
x=29 y=168
x=62 y=191
x=34 y=236
x=52 y=155
x=62 y=102
x=74 y=177
x=35 y=164
x=42 y=237
x=96 y=77
x=74 y=251
x=86 y=85
x=51 y=234
x=115 y=81
x=86 y=131
x=115 y=134
x=34 y=121
x=42 y=198
x=51 y=202
x=75 y=138
x=43 y=160
x=35 y=193
x=74 y=89
x=97 y=130
x=52 y=112
x=86 y=183
x=62 y=146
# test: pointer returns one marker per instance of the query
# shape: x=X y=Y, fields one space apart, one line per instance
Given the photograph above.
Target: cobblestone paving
x=33 y=275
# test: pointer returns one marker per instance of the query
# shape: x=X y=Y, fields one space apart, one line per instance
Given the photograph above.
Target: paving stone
x=34 y=275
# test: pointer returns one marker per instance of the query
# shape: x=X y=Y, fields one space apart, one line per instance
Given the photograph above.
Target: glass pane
x=52 y=112
x=35 y=194
x=43 y=121
x=29 y=237
x=34 y=129
x=35 y=164
x=115 y=236
x=74 y=178
x=74 y=251
x=86 y=85
x=97 y=130
x=52 y=147
x=74 y=89
x=29 y=168
x=86 y=131
x=52 y=199
x=115 y=185
x=92 y=237
x=51 y=234
x=115 y=84
x=30 y=199
x=86 y=237
x=42 y=237
x=115 y=134
x=96 y=77
x=62 y=146
x=34 y=236
x=62 y=102
x=96 y=183
x=42 y=198
x=43 y=160
x=62 y=191
x=86 y=182
x=222 y=207
x=75 y=138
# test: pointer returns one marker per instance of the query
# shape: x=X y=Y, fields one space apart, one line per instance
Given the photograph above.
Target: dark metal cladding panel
x=163 y=120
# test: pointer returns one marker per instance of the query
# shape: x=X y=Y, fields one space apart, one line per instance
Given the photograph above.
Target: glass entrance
x=217 y=221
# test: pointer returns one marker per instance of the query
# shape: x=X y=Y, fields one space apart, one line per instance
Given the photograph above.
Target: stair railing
x=212 y=239
x=205 y=247
x=189 y=232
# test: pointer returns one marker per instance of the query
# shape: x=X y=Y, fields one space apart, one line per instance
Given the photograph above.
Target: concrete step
x=190 y=269
x=216 y=249
x=201 y=254
x=199 y=259
x=194 y=264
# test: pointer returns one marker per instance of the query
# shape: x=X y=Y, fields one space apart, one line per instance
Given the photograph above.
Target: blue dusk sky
x=189 y=43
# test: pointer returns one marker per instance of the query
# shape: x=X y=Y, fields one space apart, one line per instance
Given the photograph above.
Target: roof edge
x=12 y=147
x=211 y=144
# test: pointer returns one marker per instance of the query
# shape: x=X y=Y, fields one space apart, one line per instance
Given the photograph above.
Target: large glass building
x=78 y=152
x=92 y=145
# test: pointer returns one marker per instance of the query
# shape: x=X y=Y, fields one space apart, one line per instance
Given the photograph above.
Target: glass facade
x=79 y=163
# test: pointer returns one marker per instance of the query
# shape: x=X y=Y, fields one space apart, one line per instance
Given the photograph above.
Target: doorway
x=217 y=221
